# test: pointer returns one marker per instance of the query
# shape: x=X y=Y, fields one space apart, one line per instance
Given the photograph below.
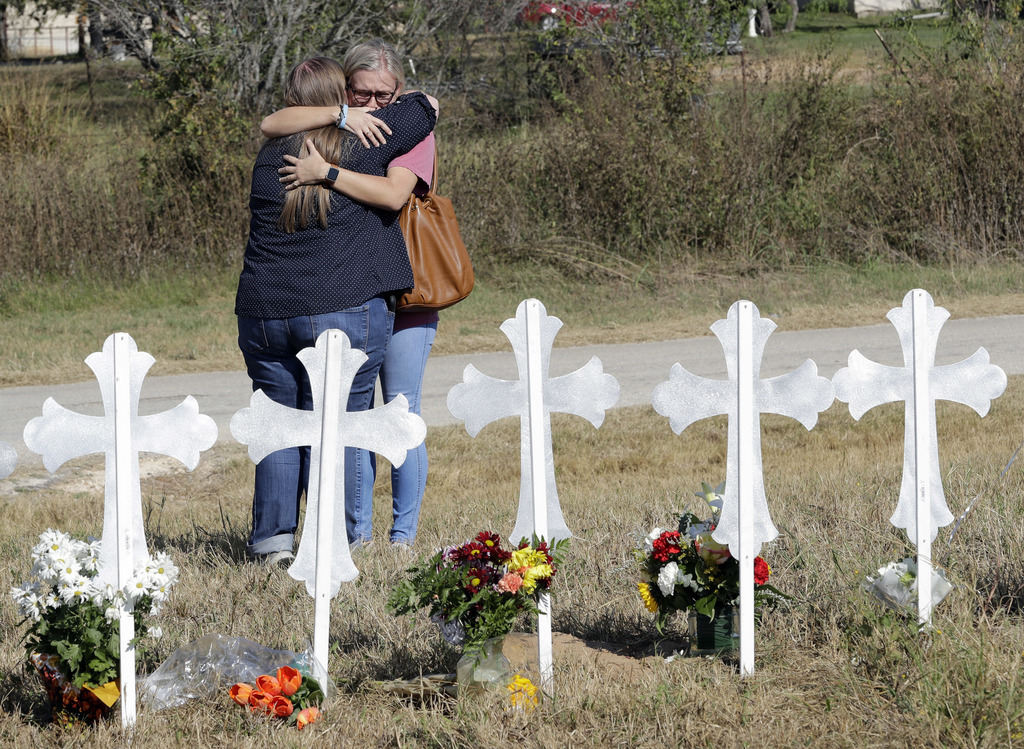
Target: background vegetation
x=629 y=158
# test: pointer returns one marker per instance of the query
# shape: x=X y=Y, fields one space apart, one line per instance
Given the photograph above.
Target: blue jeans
x=402 y=373
x=269 y=347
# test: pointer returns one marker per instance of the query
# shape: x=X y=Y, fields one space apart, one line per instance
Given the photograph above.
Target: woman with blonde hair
x=375 y=79
x=315 y=259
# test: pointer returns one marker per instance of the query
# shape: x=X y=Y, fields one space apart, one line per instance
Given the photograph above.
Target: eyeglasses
x=362 y=97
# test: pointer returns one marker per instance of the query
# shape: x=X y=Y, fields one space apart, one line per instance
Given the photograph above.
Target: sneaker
x=281 y=559
x=360 y=543
x=402 y=545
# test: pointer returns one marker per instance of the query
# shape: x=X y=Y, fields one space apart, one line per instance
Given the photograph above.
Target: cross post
x=323 y=559
x=745 y=523
x=121 y=434
x=974 y=382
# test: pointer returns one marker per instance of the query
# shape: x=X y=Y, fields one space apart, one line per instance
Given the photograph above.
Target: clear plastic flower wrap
x=895 y=585
x=205 y=667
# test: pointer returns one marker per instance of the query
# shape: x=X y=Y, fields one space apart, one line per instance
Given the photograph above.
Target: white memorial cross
x=121 y=434
x=323 y=559
x=745 y=523
x=974 y=382
x=481 y=399
x=8 y=459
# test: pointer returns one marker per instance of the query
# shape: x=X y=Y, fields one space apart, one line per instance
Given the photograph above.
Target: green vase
x=714 y=636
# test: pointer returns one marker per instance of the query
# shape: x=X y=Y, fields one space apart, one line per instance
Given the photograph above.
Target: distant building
x=869 y=7
x=57 y=35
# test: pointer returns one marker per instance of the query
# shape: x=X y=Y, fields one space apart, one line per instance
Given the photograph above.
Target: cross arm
x=700 y=398
x=480 y=399
x=800 y=394
x=588 y=392
x=60 y=435
x=266 y=426
x=974 y=382
x=865 y=384
x=182 y=433
x=389 y=430
x=8 y=459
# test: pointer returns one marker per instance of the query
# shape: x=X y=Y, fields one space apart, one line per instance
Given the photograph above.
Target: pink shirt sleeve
x=419 y=161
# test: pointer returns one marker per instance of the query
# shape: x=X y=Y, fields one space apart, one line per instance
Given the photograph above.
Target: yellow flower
x=523 y=693
x=534 y=575
x=645 y=594
x=526 y=558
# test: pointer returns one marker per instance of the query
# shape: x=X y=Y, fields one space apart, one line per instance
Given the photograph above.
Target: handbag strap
x=433 y=176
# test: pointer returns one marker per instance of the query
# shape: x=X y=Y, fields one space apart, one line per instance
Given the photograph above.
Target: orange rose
x=259 y=701
x=281 y=706
x=290 y=680
x=307 y=716
x=268 y=684
x=240 y=693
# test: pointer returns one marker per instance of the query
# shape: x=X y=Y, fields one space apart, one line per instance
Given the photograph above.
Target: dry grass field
x=833 y=670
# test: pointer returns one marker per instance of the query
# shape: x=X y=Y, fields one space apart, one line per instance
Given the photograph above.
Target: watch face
x=332 y=174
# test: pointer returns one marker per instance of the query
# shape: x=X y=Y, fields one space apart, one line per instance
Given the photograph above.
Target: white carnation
x=667 y=579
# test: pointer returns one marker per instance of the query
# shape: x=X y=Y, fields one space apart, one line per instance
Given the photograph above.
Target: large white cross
x=267 y=426
x=685 y=398
x=974 y=382
x=480 y=399
x=121 y=434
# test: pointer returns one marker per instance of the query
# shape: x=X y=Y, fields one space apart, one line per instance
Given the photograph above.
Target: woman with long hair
x=316 y=260
x=375 y=79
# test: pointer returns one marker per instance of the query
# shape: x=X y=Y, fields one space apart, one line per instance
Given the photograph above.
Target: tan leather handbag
x=440 y=263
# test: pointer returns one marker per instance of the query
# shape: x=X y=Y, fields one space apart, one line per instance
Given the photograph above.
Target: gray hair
x=377 y=56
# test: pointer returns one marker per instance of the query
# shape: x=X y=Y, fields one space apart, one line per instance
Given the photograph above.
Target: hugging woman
x=316 y=260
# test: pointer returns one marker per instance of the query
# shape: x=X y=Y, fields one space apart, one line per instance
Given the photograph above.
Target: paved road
x=639 y=367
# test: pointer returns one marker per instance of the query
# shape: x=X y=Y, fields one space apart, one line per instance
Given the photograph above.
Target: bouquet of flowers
x=686 y=569
x=73 y=639
x=895 y=585
x=291 y=694
x=476 y=590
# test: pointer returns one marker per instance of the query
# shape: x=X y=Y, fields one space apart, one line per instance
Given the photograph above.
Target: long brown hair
x=316 y=82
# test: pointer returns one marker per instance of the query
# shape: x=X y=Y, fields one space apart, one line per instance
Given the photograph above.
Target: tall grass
x=833 y=670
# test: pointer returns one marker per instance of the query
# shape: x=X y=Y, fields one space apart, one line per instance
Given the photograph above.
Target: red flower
x=761 y=571
x=666 y=545
x=488 y=539
x=477 y=578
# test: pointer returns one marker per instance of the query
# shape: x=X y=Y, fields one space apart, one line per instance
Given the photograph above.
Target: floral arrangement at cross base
x=895 y=586
x=291 y=695
x=687 y=570
x=73 y=638
x=477 y=590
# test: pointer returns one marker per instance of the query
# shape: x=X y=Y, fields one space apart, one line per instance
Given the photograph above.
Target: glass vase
x=714 y=636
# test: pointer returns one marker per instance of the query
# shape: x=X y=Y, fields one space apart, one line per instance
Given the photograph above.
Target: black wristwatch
x=332 y=174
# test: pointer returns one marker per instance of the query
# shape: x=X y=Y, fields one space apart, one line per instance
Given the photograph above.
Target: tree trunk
x=4 y=51
x=766 y=20
x=96 y=41
x=794 y=7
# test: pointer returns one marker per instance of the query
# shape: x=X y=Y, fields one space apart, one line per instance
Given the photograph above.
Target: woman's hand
x=310 y=170
x=366 y=127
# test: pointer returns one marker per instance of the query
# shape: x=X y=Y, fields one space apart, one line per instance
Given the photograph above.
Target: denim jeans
x=402 y=372
x=269 y=347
